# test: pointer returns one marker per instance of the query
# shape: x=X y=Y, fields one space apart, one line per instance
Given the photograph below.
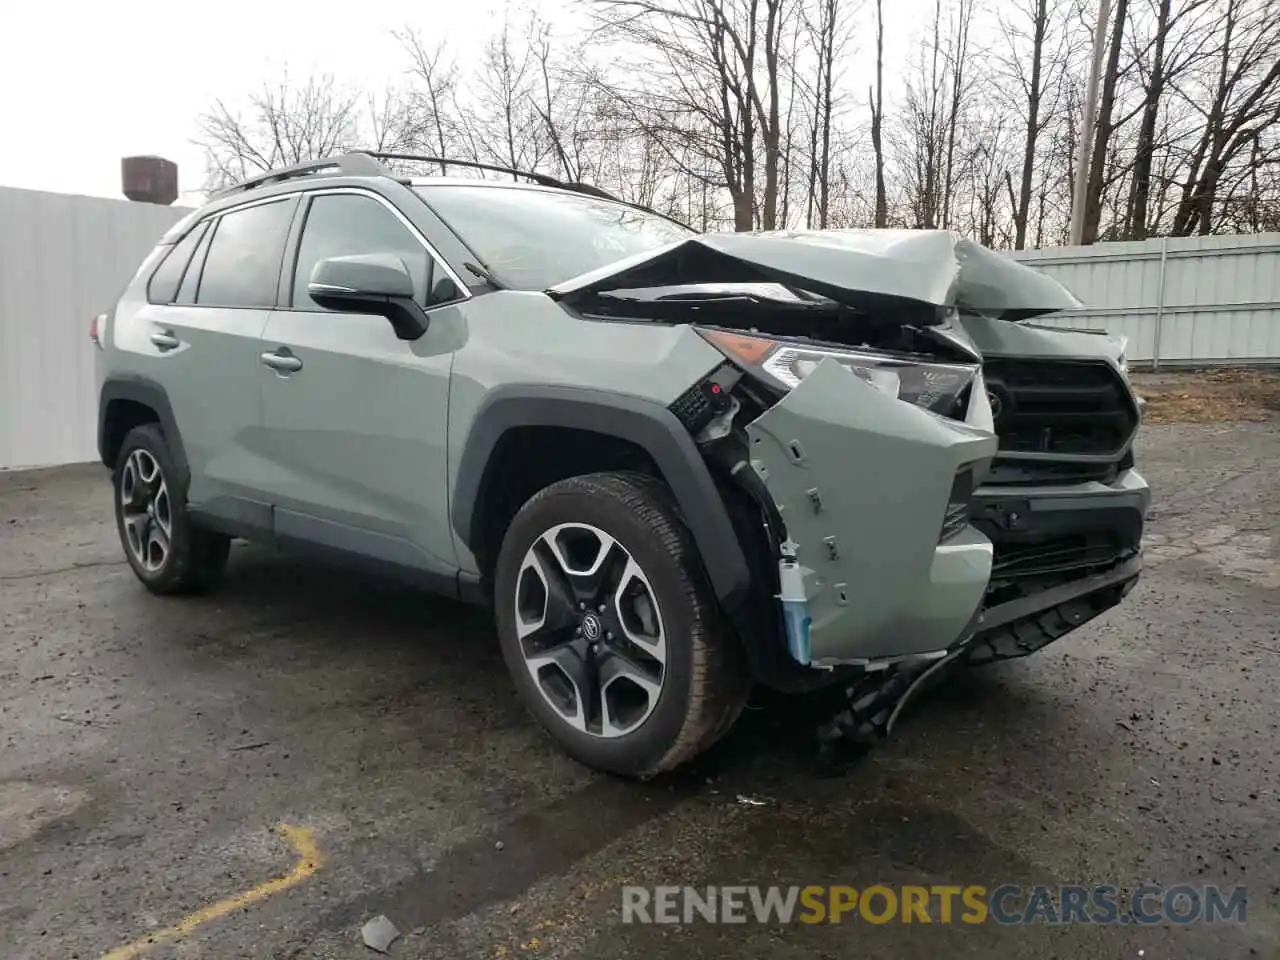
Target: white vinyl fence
x=1181 y=301
x=63 y=259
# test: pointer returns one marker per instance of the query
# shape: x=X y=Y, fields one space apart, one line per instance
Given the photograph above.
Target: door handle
x=282 y=362
x=165 y=340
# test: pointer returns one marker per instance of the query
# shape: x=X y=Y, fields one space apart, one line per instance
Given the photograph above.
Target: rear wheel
x=609 y=626
x=167 y=552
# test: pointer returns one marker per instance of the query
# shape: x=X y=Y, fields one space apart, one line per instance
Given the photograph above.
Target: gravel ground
x=150 y=748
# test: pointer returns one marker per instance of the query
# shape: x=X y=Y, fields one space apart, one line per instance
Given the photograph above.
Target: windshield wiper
x=483 y=274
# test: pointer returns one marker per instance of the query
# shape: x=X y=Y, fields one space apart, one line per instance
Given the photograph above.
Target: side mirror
x=375 y=283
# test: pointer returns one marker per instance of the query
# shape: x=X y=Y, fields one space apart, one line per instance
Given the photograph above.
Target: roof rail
x=542 y=179
x=366 y=163
x=357 y=164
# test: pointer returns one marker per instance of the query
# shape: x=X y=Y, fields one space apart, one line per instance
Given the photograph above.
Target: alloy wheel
x=590 y=630
x=146 y=511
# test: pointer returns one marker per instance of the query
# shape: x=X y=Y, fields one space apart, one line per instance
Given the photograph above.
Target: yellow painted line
x=309 y=861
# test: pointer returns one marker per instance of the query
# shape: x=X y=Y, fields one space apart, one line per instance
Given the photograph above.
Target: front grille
x=1062 y=408
x=1014 y=559
x=1013 y=472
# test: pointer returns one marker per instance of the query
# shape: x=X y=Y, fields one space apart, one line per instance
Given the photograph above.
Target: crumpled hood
x=918 y=271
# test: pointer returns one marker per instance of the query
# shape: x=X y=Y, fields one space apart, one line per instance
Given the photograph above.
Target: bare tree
x=281 y=125
x=729 y=114
x=922 y=141
x=1144 y=154
x=1027 y=67
x=1243 y=100
x=827 y=39
x=713 y=72
x=434 y=89
x=507 y=128
x=877 y=122
x=958 y=58
x=1105 y=127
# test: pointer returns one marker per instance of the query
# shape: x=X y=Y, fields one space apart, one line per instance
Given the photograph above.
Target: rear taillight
x=96 y=326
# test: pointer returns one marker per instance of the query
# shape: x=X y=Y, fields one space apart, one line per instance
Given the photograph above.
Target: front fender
x=648 y=425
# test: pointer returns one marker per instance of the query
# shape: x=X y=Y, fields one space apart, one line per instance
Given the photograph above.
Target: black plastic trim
x=236 y=517
x=1016 y=517
x=649 y=425
x=150 y=394
x=1022 y=626
x=335 y=544
x=376 y=567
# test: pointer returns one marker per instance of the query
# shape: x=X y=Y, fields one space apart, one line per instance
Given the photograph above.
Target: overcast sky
x=80 y=88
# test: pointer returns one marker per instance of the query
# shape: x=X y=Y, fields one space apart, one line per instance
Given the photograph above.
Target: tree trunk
x=877 y=118
x=1103 y=130
x=832 y=11
x=958 y=56
x=1144 y=156
x=1033 y=126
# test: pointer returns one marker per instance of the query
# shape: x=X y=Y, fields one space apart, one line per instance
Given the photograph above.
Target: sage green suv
x=675 y=464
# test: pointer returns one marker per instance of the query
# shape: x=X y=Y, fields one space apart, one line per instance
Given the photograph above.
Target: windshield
x=534 y=239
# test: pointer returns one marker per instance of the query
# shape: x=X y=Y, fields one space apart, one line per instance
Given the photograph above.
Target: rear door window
x=242 y=267
x=163 y=285
x=191 y=279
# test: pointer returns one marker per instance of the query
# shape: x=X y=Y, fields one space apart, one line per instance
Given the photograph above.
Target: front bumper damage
x=862 y=482
x=1063 y=555
x=879 y=380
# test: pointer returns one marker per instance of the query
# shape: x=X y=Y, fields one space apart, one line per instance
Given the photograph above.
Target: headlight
x=938 y=387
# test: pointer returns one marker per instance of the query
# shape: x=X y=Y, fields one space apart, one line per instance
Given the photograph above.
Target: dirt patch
x=1210 y=396
x=27 y=807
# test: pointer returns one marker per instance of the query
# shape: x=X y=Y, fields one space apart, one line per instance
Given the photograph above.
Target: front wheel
x=610 y=629
x=167 y=552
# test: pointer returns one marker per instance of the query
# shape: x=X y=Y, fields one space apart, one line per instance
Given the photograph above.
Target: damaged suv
x=675 y=464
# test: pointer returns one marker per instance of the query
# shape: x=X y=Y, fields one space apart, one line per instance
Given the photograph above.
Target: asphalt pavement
x=258 y=772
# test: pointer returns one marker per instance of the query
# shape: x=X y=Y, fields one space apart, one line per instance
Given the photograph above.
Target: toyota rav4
x=675 y=464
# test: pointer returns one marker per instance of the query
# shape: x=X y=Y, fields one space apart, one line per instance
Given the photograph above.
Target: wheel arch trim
x=648 y=425
x=148 y=393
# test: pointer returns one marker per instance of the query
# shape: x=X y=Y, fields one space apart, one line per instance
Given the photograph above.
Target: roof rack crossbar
x=356 y=164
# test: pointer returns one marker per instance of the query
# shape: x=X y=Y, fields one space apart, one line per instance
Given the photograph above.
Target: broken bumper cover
x=863 y=481
x=1063 y=555
x=1021 y=626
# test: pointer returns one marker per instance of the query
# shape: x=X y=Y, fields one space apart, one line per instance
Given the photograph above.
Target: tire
x=702 y=677
x=151 y=513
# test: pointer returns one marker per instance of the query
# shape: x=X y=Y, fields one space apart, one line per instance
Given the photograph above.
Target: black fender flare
x=150 y=394
x=648 y=425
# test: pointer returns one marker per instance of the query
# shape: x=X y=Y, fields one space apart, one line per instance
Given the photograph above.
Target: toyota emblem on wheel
x=591 y=628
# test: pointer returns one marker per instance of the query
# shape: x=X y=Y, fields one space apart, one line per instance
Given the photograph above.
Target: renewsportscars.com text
x=971 y=904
